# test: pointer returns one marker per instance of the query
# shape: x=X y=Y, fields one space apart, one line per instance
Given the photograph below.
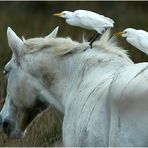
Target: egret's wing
x=142 y=37
x=109 y=19
x=143 y=41
x=140 y=41
x=94 y=20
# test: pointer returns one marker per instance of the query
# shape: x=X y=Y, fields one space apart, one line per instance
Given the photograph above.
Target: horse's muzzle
x=6 y=127
x=1 y=125
x=9 y=129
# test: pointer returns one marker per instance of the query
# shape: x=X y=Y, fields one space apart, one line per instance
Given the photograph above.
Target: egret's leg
x=93 y=39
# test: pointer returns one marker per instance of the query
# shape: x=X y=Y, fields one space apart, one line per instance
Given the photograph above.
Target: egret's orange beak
x=57 y=14
x=119 y=33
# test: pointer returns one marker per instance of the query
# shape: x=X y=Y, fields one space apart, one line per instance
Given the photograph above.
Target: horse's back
x=129 y=106
x=114 y=114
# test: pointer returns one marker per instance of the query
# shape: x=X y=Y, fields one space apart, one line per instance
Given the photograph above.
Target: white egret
x=87 y=20
x=137 y=38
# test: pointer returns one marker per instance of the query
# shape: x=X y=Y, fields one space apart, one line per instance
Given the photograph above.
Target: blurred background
x=35 y=19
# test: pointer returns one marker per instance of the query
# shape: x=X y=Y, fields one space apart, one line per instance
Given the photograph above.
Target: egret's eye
x=125 y=32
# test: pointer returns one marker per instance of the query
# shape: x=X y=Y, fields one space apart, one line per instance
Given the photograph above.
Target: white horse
x=101 y=92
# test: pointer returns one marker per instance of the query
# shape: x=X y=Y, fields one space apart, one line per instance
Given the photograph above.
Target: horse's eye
x=5 y=72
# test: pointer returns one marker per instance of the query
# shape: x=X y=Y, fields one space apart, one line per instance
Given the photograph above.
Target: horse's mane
x=61 y=46
x=110 y=44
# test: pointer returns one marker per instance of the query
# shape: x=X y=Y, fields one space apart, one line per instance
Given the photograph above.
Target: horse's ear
x=15 y=43
x=53 y=34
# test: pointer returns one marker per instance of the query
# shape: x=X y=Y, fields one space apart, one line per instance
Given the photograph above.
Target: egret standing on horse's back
x=88 y=20
x=137 y=38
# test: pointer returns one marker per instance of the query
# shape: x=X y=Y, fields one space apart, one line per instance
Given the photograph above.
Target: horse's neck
x=81 y=69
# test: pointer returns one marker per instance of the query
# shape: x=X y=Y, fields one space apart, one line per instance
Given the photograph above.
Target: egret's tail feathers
x=109 y=19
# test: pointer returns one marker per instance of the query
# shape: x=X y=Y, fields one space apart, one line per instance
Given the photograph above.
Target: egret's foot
x=87 y=48
x=90 y=44
x=92 y=37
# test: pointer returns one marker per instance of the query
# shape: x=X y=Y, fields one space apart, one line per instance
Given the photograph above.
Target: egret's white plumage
x=87 y=19
x=137 y=38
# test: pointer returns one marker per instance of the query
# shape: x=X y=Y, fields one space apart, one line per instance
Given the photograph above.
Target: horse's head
x=22 y=103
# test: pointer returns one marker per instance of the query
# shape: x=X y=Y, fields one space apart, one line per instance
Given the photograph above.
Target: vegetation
x=32 y=19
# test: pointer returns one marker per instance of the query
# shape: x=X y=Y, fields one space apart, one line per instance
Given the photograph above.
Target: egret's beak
x=119 y=33
x=57 y=14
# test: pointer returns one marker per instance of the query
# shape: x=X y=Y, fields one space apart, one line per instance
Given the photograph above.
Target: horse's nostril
x=5 y=126
x=0 y=120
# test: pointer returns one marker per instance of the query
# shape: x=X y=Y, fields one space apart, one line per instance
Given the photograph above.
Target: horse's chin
x=0 y=122
x=17 y=134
